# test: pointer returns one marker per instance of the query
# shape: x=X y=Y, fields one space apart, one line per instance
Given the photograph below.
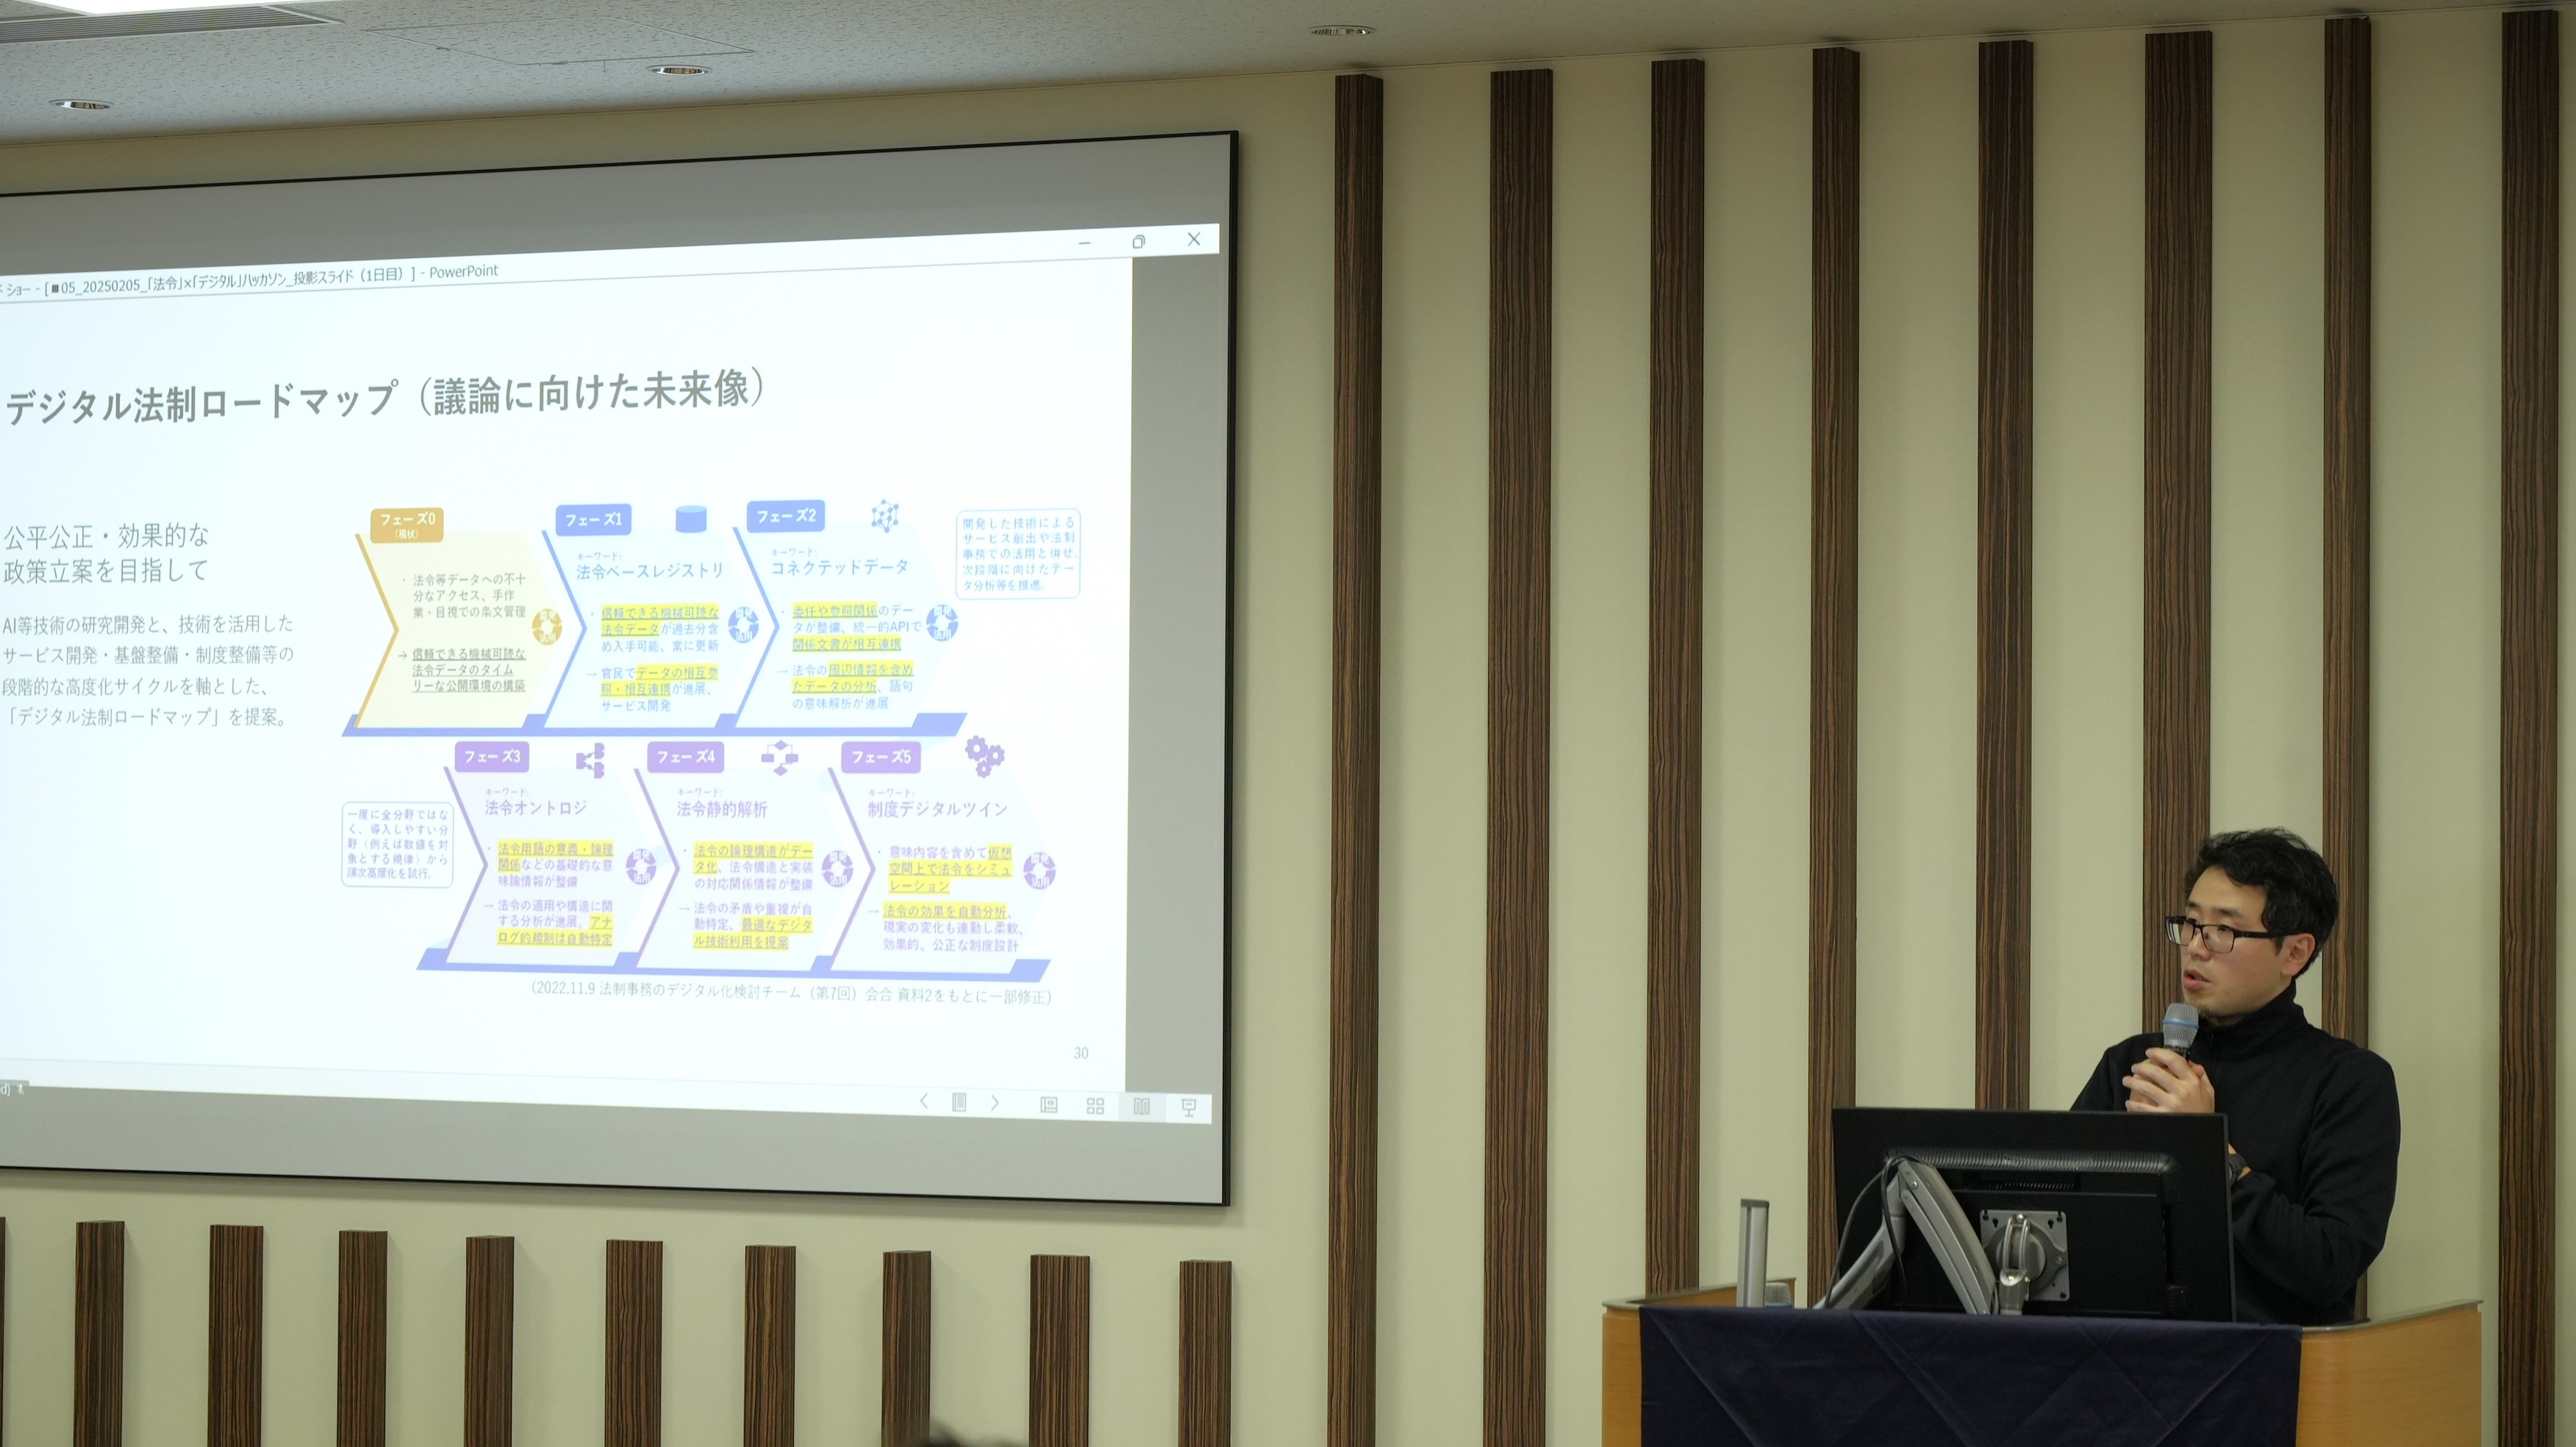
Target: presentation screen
x=708 y=674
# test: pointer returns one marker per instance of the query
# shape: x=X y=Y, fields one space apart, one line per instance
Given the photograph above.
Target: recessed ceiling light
x=677 y=69
x=1340 y=32
x=82 y=105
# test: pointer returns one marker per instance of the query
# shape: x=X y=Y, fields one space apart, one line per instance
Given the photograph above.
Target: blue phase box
x=594 y=520
x=784 y=515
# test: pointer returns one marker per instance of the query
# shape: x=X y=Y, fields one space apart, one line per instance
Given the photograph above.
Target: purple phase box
x=594 y=520
x=685 y=756
x=875 y=756
x=783 y=515
x=491 y=758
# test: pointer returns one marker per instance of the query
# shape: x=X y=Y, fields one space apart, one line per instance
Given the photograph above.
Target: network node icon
x=882 y=516
x=595 y=760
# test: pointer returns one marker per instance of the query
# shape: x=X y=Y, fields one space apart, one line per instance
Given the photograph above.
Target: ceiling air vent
x=156 y=22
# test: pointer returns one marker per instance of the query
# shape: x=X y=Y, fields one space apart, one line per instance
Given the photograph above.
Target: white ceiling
x=401 y=59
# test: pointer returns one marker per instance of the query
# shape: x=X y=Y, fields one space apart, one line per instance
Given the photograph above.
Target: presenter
x=2311 y=1119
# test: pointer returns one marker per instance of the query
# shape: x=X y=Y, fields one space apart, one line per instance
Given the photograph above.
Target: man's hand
x=2166 y=1084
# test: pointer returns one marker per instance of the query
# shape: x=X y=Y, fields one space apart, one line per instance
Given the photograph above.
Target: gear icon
x=987 y=757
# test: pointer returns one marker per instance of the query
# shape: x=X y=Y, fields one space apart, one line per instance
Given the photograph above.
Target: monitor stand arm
x=1915 y=1192
x=2021 y=1258
x=1952 y=1237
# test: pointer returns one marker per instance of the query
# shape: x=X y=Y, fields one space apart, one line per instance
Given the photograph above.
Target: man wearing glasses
x=2311 y=1119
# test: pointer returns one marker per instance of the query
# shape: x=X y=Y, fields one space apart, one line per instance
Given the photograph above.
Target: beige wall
x=2435 y=767
x=2436 y=757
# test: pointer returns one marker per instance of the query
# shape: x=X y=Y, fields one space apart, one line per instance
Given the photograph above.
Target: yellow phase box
x=848 y=643
x=946 y=909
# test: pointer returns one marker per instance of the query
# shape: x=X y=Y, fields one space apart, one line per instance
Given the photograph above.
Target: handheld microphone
x=2182 y=1026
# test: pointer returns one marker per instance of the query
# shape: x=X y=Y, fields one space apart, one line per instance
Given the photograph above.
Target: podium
x=2412 y=1380
x=2404 y=1381
x=1623 y=1376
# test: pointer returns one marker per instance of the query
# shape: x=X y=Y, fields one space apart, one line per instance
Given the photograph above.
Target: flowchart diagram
x=695 y=750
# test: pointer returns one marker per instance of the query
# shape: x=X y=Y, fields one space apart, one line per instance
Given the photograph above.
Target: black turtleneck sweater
x=2316 y=1118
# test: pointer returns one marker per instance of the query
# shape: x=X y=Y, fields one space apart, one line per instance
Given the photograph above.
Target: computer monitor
x=2133 y=1207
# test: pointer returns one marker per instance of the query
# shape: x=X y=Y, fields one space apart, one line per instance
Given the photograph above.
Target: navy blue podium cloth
x=1721 y=1377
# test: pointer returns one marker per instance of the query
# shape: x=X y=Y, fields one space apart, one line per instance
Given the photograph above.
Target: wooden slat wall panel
x=2179 y=138
x=769 y=1346
x=1833 y=638
x=2527 y=1260
x=361 y=1386
x=2344 y=582
x=98 y=1334
x=631 y=1409
x=1676 y=363
x=1059 y=1351
x=1359 y=291
x=903 y=1386
x=1207 y=1353
x=491 y=1288
x=2004 y=209
x=1519 y=483
x=236 y=1270
x=2346 y=576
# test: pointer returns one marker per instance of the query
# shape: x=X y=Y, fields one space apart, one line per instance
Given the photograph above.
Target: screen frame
x=1226 y=1121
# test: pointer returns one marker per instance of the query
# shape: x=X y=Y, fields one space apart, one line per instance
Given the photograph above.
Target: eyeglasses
x=2220 y=938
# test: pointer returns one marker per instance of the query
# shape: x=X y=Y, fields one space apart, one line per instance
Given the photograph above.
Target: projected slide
x=682 y=677
x=701 y=674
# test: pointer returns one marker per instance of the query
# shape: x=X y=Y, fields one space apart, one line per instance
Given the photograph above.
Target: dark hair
x=2298 y=890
